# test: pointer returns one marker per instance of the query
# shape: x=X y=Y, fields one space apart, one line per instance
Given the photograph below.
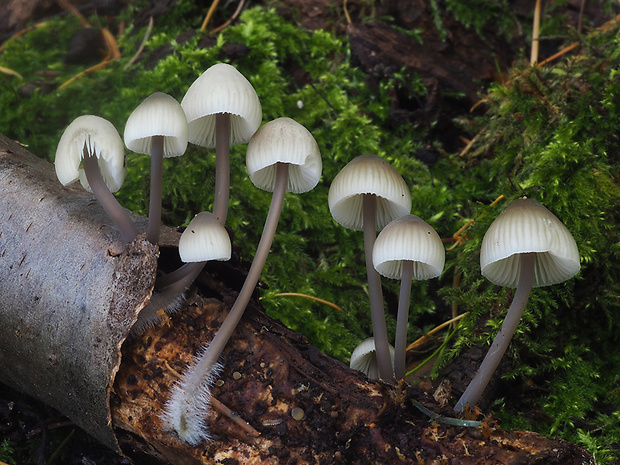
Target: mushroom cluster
x=369 y=195
x=525 y=247
x=220 y=109
x=282 y=156
x=366 y=195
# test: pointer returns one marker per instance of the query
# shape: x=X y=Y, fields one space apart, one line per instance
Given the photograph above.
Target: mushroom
x=282 y=156
x=408 y=248
x=157 y=127
x=526 y=246
x=364 y=358
x=222 y=110
x=95 y=143
x=205 y=239
x=366 y=195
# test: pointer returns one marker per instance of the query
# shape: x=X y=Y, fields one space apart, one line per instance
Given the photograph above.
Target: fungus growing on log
x=157 y=127
x=222 y=110
x=77 y=368
x=203 y=240
x=526 y=246
x=408 y=248
x=366 y=195
x=282 y=156
x=95 y=143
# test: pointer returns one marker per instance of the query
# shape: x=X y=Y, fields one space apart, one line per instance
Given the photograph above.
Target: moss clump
x=550 y=134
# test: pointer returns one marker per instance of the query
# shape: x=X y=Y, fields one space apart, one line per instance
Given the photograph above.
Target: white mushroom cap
x=101 y=139
x=158 y=115
x=409 y=238
x=527 y=226
x=204 y=239
x=364 y=358
x=368 y=174
x=221 y=89
x=284 y=140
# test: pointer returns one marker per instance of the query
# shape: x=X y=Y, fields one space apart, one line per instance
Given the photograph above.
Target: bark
x=71 y=290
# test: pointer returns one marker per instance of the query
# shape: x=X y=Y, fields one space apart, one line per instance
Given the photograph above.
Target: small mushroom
x=408 y=248
x=203 y=240
x=157 y=127
x=366 y=195
x=526 y=246
x=94 y=143
x=364 y=358
x=282 y=156
x=222 y=110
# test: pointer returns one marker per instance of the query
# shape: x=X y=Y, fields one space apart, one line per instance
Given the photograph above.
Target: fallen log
x=71 y=290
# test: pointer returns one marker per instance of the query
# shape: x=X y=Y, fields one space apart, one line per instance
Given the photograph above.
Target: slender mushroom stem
x=179 y=279
x=109 y=203
x=379 y=329
x=476 y=387
x=171 y=287
x=167 y=295
x=157 y=168
x=209 y=357
x=400 y=344
x=222 y=166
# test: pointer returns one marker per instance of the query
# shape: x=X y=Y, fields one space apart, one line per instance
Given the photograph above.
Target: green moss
x=550 y=134
x=7 y=452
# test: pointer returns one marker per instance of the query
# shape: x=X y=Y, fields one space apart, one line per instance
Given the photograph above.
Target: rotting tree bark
x=63 y=345
x=69 y=291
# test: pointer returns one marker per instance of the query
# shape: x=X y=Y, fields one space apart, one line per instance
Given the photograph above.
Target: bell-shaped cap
x=158 y=115
x=204 y=239
x=284 y=140
x=221 y=89
x=527 y=226
x=101 y=140
x=368 y=174
x=364 y=358
x=413 y=239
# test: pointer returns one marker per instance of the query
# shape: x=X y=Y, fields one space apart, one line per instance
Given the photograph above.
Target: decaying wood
x=269 y=371
x=71 y=290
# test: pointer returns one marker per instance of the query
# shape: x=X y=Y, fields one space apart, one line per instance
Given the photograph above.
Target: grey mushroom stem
x=157 y=168
x=180 y=279
x=476 y=387
x=402 y=318
x=377 y=313
x=109 y=203
x=222 y=166
x=211 y=355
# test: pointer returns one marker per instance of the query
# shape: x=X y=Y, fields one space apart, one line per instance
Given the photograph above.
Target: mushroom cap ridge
x=204 y=239
x=102 y=140
x=368 y=174
x=221 y=89
x=363 y=357
x=284 y=140
x=527 y=226
x=409 y=238
x=158 y=115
